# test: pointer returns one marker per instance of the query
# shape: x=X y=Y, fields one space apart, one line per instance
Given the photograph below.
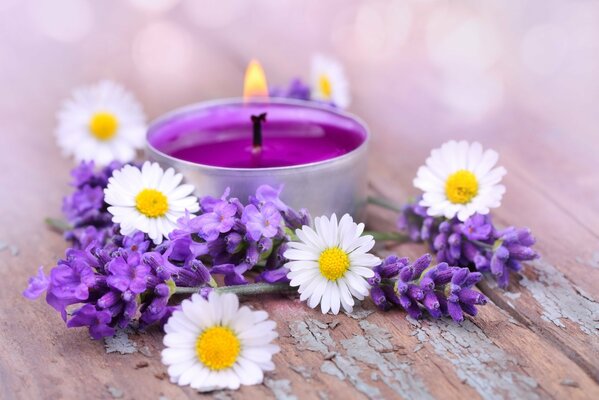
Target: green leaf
x=58 y=224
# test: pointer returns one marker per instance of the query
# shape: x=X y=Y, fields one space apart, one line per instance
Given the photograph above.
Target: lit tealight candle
x=316 y=151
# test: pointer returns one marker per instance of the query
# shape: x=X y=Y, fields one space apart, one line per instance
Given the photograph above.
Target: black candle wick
x=257 y=121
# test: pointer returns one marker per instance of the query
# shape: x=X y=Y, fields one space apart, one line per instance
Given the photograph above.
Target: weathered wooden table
x=537 y=339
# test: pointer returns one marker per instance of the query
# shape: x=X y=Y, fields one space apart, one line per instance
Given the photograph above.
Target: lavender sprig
x=107 y=279
x=475 y=243
x=439 y=289
x=232 y=238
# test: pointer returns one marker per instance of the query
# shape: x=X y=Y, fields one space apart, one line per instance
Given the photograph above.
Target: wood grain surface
x=538 y=339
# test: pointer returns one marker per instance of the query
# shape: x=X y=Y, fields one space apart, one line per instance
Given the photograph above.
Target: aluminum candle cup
x=317 y=152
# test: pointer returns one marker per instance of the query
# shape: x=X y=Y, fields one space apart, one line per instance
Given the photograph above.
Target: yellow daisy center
x=103 y=125
x=218 y=348
x=151 y=203
x=461 y=187
x=325 y=86
x=333 y=262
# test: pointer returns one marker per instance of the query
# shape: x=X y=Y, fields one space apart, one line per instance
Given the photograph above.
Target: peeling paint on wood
x=560 y=299
x=513 y=295
x=309 y=336
x=328 y=367
x=222 y=395
x=115 y=392
x=393 y=372
x=304 y=372
x=478 y=362
x=359 y=312
x=120 y=343
x=351 y=370
x=374 y=348
x=281 y=388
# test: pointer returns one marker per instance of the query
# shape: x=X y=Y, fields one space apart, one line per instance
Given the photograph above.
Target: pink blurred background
x=446 y=60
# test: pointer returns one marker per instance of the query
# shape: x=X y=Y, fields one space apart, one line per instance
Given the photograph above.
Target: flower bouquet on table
x=145 y=248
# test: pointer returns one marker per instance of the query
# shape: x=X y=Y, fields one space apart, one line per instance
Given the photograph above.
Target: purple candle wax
x=220 y=134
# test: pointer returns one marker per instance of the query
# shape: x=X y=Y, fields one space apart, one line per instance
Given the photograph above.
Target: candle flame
x=255 y=85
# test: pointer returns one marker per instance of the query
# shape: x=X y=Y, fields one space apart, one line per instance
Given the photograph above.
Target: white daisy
x=331 y=263
x=328 y=82
x=215 y=344
x=103 y=122
x=459 y=178
x=150 y=200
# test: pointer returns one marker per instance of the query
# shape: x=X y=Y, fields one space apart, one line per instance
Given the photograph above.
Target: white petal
x=325 y=303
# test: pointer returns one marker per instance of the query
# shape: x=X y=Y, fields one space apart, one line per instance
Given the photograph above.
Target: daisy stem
x=244 y=290
x=388 y=236
x=384 y=203
x=58 y=224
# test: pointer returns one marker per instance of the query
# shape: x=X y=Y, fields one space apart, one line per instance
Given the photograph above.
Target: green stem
x=384 y=203
x=482 y=244
x=58 y=224
x=388 y=236
x=244 y=290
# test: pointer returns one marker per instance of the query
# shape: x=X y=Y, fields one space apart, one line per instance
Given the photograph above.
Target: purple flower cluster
x=299 y=90
x=106 y=286
x=85 y=209
x=107 y=279
x=231 y=238
x=475 y=243
x=439 y=289
x=296 y=89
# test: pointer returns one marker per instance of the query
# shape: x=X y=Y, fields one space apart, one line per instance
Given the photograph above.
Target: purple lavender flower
x=264 y=222
x=157 y=309
x=383 y=296
x=510 y=248
x=274 y=275
x=106 y=281
x=475 y=243
x=97 y=321
x=268 y=194
x=220 y=220
x=85 y=209
x=297 y=89
x=233 y=273
x=439 y=289
x=478 y=227
x=460 y=298
x=83 y=174
x=127 y=274
x=137 y=242
x=414 y=220
x=114 y=278
x=207 y=203
x=296 y=219
x=70 y=281
x=83 y=236
x=84 y=206
x=38 y=284
x=252 y=236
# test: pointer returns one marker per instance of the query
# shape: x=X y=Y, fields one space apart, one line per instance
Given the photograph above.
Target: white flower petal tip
x=101 y=123
x=149 y=200
x=215 y=344
x=460 y=179
x=328 y=82
x=330 y=263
